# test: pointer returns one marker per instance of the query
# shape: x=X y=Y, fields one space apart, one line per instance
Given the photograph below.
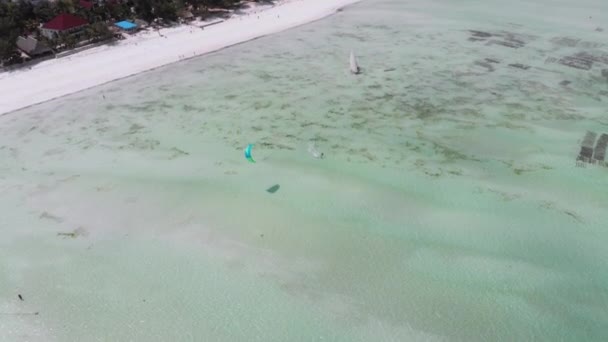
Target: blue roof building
x=126 y=25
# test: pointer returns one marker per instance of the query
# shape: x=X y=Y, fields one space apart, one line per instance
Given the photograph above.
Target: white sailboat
x=354 y=67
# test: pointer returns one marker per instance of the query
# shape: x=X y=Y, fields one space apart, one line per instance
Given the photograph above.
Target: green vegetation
x=10 y=27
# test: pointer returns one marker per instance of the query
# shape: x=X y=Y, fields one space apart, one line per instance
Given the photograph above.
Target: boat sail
x=354 y=67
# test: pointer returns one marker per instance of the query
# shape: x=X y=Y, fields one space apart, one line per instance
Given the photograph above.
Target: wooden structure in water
x=593 y=152
x=600 y=148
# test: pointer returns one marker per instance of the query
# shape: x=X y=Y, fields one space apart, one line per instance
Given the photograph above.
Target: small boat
x=354 y=67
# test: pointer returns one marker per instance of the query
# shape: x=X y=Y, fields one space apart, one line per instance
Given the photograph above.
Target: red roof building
x=63 y=23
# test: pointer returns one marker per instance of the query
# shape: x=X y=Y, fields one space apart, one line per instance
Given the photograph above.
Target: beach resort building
x=126 y=26
x=32 y=46
x=63 y=24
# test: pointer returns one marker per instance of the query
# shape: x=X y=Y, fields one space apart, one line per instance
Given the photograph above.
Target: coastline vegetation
x=26 y=18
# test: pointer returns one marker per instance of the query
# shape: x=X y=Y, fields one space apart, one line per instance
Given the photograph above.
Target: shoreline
x=148 y=50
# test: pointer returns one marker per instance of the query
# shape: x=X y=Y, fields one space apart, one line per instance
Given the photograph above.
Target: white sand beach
x=148 y=50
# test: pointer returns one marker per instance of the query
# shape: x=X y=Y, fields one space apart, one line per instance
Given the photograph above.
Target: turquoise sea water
x=448 y=205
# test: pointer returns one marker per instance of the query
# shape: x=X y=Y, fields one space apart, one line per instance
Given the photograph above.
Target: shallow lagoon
x=448 y=205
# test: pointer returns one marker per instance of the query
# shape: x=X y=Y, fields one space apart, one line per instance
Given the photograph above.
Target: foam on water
x=448 y=204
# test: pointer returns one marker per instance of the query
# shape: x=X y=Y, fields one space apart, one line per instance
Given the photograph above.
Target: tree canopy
x=9 y=29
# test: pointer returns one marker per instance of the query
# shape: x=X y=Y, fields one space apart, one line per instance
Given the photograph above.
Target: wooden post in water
x=586 y=152
x=600 y=148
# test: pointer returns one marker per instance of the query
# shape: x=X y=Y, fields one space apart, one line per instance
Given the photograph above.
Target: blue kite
x=248 y=153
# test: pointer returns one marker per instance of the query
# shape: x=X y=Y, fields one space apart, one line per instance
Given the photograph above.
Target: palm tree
x=44 y=11
x=64 y=6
